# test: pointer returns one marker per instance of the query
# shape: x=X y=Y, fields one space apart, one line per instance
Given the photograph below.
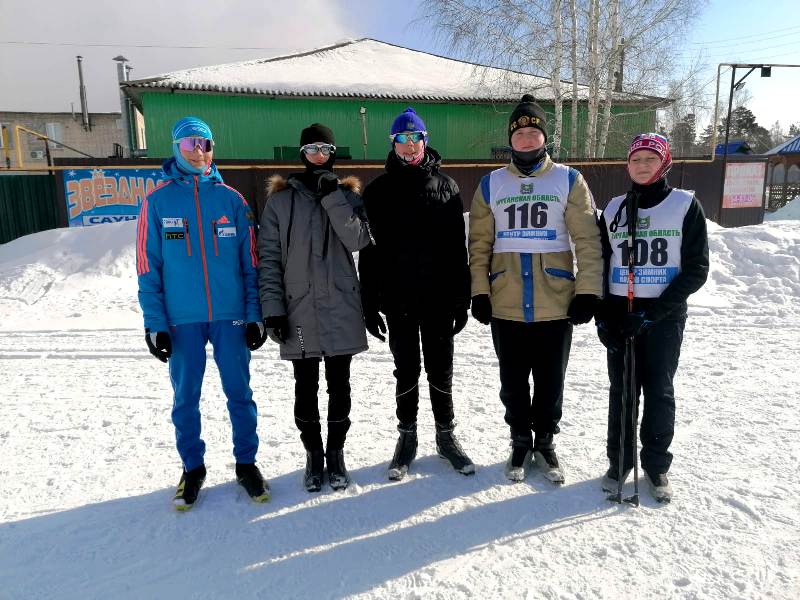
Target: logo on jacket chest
x=172 y=222
x=526 y=188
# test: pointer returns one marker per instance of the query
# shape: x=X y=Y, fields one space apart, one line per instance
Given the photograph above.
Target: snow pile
x=88 y=464
x=790 y=210
x=753 y=269
x=70 y=278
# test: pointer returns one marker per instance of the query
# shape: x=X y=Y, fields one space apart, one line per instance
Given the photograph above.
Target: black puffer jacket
x=419 y=259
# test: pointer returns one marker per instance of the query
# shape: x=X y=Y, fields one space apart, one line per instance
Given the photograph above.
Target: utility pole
x=363 y=112
x=122 y=68
x=84 y=108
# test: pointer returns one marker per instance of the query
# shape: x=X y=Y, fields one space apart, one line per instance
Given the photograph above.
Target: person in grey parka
x=310 y=297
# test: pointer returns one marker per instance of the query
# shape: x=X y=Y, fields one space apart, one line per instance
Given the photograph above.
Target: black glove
x=256 y=335
x=582 y=308
x=277 y=328
x=375 y=325
x=634 y=324
x=459 y=320
x=611 y=339
x=327 y=182
x=482 y=308
x=159 y=344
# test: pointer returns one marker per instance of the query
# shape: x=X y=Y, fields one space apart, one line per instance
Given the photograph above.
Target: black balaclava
x=527 y=114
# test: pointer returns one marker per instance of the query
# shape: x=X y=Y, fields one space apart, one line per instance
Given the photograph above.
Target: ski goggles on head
x=324 y=149
x=402 y=138
x=190 y=143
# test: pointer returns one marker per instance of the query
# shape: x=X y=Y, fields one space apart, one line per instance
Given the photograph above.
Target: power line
x=721 y=53
x=158 y=46
x=753 y=42
x=744 y=37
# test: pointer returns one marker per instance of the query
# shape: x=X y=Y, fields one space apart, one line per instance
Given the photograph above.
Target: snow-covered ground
x=88 y=466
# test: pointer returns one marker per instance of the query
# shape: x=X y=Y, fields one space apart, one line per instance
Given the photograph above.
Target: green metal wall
x=249 y=127
x=28 y=204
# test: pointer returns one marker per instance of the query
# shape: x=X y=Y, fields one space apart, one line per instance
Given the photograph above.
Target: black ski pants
x=435 y=330
x=656 y=353
x=540 y=349
x=306 y=407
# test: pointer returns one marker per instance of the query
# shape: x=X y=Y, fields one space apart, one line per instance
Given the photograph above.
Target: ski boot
x=250 y=478
x=519 y=461
x=448 y=448
x=404 y=451
x=314 y=471
x=544 y=456
x=189 y=488
x=338 y=476
x=660 y=488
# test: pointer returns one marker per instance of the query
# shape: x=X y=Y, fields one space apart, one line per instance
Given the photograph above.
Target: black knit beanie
x=527 y=114
x=316 y=133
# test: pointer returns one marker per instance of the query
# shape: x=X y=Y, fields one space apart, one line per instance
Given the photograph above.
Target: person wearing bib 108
x=670 y=251
x=523 y=282
x=196 y=260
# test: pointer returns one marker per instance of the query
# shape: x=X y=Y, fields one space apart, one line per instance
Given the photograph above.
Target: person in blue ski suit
x=196 y=260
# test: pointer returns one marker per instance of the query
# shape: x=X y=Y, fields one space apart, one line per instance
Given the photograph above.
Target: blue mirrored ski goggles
x=414 y=136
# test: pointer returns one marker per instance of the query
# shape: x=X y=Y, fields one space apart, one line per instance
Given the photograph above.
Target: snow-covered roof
x=365 y=68
x=791 y=146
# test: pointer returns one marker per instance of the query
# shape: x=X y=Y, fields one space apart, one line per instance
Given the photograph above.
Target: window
x=55 y=131
x=5 y=136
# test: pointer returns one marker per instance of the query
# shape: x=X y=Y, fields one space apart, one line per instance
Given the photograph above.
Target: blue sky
x=43 y=77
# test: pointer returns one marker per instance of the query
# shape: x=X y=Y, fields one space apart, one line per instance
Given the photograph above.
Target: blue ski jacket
x=196 y=252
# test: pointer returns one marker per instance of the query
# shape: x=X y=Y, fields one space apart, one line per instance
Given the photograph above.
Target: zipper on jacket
x=214 y=229
x=186 y=235
x=302 y=341
x=202 y=246
x=289 y=228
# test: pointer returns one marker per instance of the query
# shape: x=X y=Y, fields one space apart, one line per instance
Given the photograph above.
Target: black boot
x=519 y=460
x=338 y=476
x=544 y=454
x=404 y=451
x=448 y=448
x=189 y=488
x=250 y=478
x=315 y=467
x=610 y=482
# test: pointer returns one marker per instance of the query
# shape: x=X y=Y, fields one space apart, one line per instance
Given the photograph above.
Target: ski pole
x=630 y=349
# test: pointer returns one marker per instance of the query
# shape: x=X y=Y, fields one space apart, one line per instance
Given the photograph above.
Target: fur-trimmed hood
x=278 y=183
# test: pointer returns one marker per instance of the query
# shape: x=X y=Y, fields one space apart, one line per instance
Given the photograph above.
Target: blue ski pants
x=186 y=369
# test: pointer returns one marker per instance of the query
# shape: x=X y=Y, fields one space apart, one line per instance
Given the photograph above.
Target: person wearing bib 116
x=523 y=282
x=670 y=256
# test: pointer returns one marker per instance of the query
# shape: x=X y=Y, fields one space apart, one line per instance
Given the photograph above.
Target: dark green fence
x=28 y=203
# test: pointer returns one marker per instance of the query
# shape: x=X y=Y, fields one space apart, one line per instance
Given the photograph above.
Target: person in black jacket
x=669 y=248
x=416 y=273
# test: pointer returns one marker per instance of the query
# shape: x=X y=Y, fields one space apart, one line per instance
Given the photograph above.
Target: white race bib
x=657 y=248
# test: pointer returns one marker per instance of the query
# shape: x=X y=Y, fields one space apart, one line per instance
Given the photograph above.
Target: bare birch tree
x=573 y=140
x=555 y=75
x=612 y=64
x=529 y=37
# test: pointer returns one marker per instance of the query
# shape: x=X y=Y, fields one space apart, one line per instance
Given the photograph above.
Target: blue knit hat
x=191 y=127
x=188 y=127
x=409 y=120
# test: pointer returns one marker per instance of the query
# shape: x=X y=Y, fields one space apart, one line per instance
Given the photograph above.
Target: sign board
x=744 y=185
x=96 y=196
